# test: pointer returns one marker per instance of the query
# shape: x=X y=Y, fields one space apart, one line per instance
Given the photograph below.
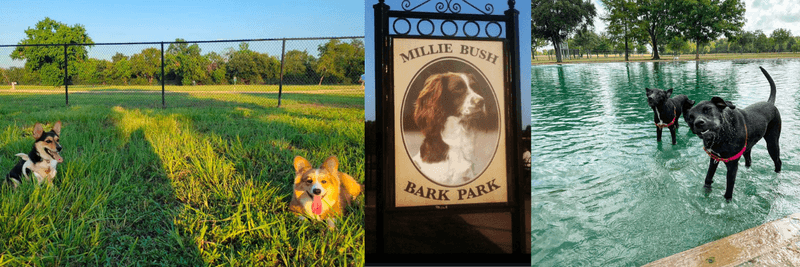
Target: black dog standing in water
x=666 y=110
x=728 y=133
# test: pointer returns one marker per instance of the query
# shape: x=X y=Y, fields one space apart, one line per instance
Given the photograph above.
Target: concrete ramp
x=775 y=243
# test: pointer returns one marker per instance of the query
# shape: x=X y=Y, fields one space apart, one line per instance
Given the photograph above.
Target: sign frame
x=394 y=188
x=382 y=172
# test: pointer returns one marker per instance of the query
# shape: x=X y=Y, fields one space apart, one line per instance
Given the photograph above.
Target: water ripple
x=606 y=193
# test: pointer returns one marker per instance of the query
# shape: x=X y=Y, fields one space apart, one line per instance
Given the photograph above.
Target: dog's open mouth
x=54 y=155
x=316 y=205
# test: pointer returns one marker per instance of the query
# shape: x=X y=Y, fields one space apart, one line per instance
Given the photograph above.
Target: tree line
x=677 y=26
x=339 y=62
x=587 y=41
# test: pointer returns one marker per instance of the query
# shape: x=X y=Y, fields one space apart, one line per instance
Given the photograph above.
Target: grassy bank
x=205 y=183
x=664 y=57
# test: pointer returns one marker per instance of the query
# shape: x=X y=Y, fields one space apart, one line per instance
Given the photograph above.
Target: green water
x=605 y=193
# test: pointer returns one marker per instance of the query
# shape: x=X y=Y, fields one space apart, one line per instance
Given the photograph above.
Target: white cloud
x=768 y=15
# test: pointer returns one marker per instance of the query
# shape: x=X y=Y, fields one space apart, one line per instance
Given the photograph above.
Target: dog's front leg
x=672 y=131
x=658 y=134
x=733 y=167
x=712 y=168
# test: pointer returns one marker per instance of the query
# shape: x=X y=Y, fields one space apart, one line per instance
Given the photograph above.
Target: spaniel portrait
x=449 y=111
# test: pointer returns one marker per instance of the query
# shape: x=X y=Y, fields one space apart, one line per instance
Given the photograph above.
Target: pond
x=604 y=192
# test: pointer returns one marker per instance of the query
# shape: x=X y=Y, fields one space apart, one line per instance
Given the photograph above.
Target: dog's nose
x=478 y=101
x=699 y=123
x=316 y=191
x=58 y=147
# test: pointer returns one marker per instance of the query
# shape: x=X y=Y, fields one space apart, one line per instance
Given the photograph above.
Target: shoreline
x=708 y=57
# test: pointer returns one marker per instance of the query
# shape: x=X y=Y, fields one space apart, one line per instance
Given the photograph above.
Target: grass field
x=204 y=183
x=664 y=57
x=177 y=88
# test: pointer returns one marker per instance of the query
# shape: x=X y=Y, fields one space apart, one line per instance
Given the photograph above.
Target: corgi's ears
x=57 y=128
x=331 y=165
x=301 y=165
x=37 y=131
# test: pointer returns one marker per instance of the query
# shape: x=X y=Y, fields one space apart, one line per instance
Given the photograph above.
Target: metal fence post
x=280 y=85
x=66 y=74
x=163 y=102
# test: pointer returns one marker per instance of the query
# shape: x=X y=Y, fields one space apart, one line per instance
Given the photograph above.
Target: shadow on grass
x=217 y=174
x=142 y=230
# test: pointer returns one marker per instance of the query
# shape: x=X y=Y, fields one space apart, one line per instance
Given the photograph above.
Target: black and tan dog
x=43 y=158
x=729 y=133
x=666 y=110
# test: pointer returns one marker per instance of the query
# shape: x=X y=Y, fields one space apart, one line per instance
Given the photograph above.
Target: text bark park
x=440 y=194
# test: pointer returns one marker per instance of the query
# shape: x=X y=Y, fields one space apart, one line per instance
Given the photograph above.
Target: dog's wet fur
x=666 y=109
x=722 y=127
x=41 y=161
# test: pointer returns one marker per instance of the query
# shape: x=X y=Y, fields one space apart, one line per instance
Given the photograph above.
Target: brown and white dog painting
x=447 y=112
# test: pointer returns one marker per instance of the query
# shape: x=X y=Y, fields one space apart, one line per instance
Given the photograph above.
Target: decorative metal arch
x=448 y=19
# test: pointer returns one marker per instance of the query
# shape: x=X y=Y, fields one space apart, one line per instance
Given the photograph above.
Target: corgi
x=43 y=158
x=322 y=194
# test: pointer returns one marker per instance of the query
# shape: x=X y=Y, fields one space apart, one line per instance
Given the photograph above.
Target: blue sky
x=153 y=21
x=499 y=5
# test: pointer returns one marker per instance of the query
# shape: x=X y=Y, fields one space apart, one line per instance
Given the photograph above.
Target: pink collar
x=735 y=157
x=661 y=125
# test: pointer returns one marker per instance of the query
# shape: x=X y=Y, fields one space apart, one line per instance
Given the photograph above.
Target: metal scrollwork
x=455 y=26
x=450 y=6
x=394 y=26
x=433 y=27
x=464 y=28
x=499 y=28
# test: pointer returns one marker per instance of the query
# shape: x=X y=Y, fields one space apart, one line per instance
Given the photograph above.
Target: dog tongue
x=316 y=206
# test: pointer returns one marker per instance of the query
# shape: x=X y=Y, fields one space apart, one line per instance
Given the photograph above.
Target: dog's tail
x=772 y=90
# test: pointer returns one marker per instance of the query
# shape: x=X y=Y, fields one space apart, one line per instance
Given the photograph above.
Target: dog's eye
x=48 y=141
x=309 y=181
x=324 y=182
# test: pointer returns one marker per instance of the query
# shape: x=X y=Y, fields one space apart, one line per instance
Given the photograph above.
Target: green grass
x=664 y=57
x=206 y=182
x=199 y=88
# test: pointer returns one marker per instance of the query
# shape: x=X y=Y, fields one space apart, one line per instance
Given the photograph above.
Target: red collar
x=735 y=157
x=661 y=125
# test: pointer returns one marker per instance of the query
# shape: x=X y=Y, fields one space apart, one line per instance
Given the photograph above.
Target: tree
x=298 y=67
x=678 y=45
x=585 y=40
x=762 y=43
x=147 y=63
x=341 y=62
x=703 y=21
x=185 y=62
x=48 y=61
x=745 y=41
x=792 y=45
x=781 y=38
x=216 y=68
x=536 y=43
x=554 y=20
x=622 y=16
x=252 y=67
x=656 y=21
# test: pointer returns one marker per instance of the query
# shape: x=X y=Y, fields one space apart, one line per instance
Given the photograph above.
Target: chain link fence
x=182 y=73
